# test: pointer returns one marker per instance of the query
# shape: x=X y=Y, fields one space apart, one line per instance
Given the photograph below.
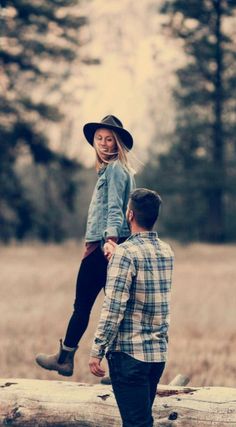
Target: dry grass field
x=37 y=292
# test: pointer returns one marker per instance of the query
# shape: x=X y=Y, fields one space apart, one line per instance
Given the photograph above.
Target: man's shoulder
x=134 y=244
x=130 y=246
x=126 y=249
x=166 y=247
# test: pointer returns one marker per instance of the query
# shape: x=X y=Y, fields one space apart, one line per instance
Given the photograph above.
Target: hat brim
x=90 y=128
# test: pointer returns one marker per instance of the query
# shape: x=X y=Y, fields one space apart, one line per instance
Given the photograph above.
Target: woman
x=106 y=220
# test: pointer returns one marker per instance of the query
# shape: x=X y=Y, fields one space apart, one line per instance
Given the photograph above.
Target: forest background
x=167 y=70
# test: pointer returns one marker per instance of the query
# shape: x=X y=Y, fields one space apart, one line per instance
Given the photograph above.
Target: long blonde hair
x=120 y=154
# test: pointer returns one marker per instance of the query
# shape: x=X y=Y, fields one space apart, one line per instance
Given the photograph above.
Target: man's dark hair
x=145 y=204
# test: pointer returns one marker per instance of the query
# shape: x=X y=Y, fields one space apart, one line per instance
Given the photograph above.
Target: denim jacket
x=106 y=215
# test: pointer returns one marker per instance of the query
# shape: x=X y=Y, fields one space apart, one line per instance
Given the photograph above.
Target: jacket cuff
x=110 y=232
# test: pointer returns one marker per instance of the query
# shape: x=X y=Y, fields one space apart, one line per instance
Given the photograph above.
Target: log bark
x=40 y=403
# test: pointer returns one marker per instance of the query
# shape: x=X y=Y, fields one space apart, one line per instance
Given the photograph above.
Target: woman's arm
x=117 y=180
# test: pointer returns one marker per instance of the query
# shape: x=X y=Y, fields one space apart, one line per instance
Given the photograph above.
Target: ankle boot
x=62 y=362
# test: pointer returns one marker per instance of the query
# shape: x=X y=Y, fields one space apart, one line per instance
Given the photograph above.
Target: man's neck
x=137 y=229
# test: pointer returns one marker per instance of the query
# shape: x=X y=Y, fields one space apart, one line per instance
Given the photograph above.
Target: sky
x=135 y=78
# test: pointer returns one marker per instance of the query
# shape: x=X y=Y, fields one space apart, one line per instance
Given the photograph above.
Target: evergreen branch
x=23 y=62
x=46 y=111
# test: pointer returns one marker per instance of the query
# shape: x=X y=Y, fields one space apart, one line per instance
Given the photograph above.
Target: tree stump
x=40 y=403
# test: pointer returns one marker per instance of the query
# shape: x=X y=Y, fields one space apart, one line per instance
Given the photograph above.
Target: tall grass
x=36 y=296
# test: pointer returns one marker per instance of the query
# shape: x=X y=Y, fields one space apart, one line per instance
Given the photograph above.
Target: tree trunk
x=216 y=224
x=40 y=403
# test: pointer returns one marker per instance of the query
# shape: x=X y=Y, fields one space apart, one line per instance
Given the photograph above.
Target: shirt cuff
x=97 y=351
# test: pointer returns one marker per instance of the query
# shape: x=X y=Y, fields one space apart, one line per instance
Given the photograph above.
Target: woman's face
x=105 y=142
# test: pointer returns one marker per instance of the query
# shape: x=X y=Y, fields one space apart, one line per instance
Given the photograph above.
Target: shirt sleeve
x=117 y=182
x=119 y=279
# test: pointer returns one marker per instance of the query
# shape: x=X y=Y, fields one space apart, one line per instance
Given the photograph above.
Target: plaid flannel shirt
x=135 y=312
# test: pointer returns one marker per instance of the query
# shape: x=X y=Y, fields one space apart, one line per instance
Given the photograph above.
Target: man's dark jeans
x=134 y=384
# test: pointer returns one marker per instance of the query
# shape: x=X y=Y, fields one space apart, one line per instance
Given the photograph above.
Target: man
x=135 y=316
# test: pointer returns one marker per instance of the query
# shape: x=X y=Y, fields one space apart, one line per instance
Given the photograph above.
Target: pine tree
x=39 y=40
x=198 y=173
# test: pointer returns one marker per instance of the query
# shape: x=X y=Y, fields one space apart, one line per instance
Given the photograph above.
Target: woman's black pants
x=91 y=279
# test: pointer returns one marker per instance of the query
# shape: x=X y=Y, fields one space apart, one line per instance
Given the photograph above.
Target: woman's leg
x=91 y=279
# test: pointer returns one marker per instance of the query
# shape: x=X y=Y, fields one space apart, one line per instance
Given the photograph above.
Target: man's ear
x=130 y=215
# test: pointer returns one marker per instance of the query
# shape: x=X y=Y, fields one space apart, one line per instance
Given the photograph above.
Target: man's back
x=134 y=321
x=140 y=273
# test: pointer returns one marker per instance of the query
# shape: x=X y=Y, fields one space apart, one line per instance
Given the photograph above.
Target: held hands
x=95 y=367
x=109 y=248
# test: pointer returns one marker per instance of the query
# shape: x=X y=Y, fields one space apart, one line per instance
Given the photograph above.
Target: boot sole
x=60 y=372
x=65 y=374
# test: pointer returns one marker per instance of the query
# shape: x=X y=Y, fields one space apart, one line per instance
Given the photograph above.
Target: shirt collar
x=102 y=170
x=145 y=235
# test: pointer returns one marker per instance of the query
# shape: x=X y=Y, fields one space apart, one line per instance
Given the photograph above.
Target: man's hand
x=109 y=249
x=95 y=368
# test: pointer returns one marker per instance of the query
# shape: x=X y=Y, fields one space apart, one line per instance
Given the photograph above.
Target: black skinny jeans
x=134 y=384
x=91 y=279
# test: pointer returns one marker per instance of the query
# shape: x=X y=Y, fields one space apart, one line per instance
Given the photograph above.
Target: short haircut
x=145 y=204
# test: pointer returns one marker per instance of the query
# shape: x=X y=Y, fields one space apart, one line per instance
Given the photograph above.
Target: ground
x=36 y=298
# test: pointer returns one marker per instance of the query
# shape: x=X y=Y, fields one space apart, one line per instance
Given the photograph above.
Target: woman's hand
x=109 y=248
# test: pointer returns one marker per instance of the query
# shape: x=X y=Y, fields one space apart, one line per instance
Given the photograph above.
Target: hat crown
x=112 y=121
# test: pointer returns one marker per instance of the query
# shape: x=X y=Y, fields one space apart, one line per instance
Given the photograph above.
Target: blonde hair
x=120 y=154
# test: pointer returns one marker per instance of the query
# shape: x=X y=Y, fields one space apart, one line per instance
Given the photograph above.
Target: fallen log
x=40 y=403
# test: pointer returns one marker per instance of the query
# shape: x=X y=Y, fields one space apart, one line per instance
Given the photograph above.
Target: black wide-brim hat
x=112 y=123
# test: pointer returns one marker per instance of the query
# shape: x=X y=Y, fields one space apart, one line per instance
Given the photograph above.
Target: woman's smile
x=105 y=142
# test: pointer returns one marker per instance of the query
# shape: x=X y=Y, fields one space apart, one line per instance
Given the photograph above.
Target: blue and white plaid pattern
x=135 y=313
